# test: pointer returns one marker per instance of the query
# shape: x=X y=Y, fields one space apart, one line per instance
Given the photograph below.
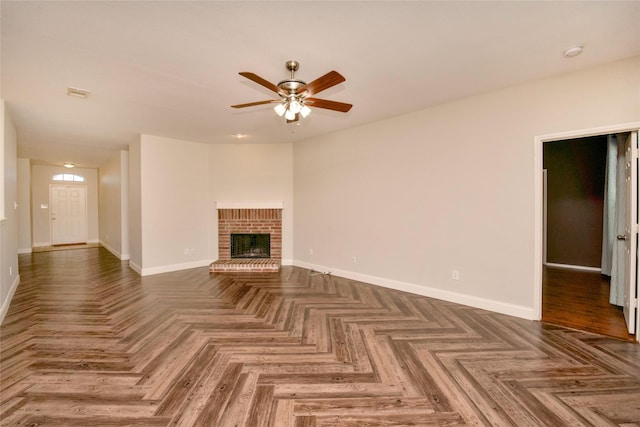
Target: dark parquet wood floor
x=580 y=299
x=87 y=342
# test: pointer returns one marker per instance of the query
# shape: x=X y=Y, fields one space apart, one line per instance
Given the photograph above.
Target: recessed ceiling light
x=573 y=51
x=239 y=135
x=69 y=165
x=78 y=93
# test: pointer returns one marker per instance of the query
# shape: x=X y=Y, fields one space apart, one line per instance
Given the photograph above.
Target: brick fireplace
x=247 y=218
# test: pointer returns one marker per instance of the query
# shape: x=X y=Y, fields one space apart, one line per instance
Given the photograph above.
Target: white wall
x=174 y=196
x=41 y=179
x=173 y=189
x=24 y=206
x=124 y=203
x=9 y=277
x=253 y=172
x=450 y=187
x=135 y=207
x=113 y=204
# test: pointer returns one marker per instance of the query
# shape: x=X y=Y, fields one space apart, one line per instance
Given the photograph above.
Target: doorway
x=575 y=292
x=571 y=266
x=68 y=214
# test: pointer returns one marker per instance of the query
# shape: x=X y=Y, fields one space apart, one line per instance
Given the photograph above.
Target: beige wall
x=113 y=205
x=9 y=277
x=253 y=173
x=175 y=184
x=447 y=188
x=24 y=206
x=411 y=198
x=135 y=207
x=40 y=182
x=174 y=203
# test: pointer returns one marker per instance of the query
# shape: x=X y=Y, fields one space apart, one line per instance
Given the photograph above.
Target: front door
x=630 y=237
x=68 y=214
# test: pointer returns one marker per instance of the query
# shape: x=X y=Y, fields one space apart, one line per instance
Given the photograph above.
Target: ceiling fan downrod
x=292 y=85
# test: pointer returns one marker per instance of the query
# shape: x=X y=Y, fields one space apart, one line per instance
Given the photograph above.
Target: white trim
x=25 y=251
x=173 y=267
x=3 y=118
x=40 y=244
x=135 y=267
x=110 y=249
x=573 y=267
x=538 y=142
x=7 y=301
x=121 y=257
x=276 y=204
x=286 y=262
x=427 y=291
x=545 y=202
x=585 y=133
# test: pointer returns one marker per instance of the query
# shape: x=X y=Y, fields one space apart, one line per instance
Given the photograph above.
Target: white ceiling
x=171 y=68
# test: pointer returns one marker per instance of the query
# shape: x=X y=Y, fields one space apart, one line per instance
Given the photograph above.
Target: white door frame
x=538 y=205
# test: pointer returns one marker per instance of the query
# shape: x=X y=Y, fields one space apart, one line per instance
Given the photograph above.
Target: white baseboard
x=286 y=262
x=573 y=267
x=110 y=249
x=428 y=291
x=120 y=256
x=40 y=244
x=135 y=267
x=174 y=267
x=7 y=301
x=25 y=251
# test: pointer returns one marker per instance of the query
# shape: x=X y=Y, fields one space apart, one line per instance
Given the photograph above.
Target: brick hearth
x=248 y=221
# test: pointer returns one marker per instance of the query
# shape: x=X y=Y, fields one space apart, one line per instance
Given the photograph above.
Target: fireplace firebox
x=250 y=245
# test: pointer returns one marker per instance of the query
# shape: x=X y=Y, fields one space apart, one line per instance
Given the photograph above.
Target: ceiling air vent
x=79 y=93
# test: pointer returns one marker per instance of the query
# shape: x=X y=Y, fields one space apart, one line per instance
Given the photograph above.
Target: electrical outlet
x=10 y=271
x=455 y=275
x=354 y=259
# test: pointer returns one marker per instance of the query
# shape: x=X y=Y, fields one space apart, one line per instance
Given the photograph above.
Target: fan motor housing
x=291 y=86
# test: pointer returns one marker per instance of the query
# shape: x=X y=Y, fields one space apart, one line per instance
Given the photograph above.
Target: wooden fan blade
x=330 y=79
x=329 y=105
x=256 y=78
x=251 y=104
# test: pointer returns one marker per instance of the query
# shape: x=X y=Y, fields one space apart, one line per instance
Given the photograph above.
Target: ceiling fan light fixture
x=280 y=109
x=290 y=115
x=295 y=106
x=305 y=111
x=293 y=94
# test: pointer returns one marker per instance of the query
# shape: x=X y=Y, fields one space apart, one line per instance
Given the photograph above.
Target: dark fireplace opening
x=250 y=246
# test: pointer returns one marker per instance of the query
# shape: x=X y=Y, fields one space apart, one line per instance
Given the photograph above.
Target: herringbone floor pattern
x=87 y=342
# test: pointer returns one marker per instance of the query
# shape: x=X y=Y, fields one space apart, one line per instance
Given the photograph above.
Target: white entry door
x=630 y=237
x=68 y=214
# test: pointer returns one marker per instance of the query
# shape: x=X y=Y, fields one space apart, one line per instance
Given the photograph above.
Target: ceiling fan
x=296 y=96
